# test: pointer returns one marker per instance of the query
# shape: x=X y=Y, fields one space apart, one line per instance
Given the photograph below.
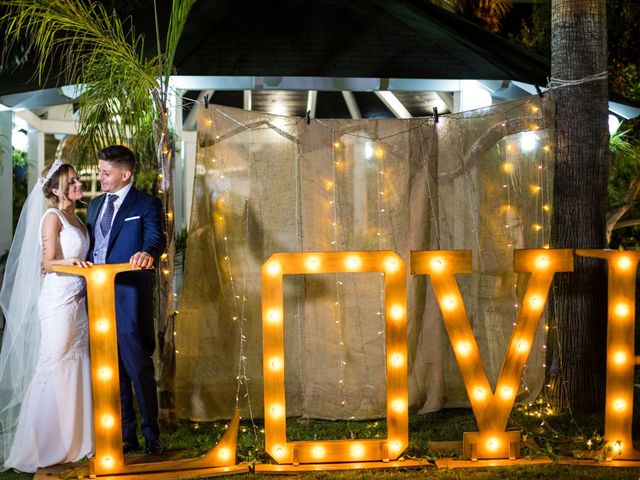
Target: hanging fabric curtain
x=264 y=184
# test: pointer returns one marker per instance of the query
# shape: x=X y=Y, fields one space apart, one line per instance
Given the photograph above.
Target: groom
x=126 y=225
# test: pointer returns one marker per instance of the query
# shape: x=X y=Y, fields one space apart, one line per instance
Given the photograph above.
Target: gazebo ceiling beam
x=352 y=105
x=393 y=104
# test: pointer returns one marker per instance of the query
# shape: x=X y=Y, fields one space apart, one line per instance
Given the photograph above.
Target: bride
x=45 y=377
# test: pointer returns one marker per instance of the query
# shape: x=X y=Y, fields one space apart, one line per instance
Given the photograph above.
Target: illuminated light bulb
x=99 y=277
x=107 y=462
x=535 y=302
x=396 y=360
x=396 y=312
x=276 y=411
x=274 y=268
x=619 y=404
x=506 y=393
x=392 y=265
x=622 y=309
x=357 y=450
x=536 y=227
x=102 y=325
x=546 y=208
x=542 y=262
x=480 y=393
x=534 y=109
x=313 y=263
x=510 y=148
x=547 y=148
x=224 y=454
x=449 y=302
x=617 y=447
x=166 y=271
x=379 y=153
x=353 y=262
x=620 y=357
x=318 y=451
x=522 y=346
x=107 y=420
x=437 y=265
x=528 y=140
x=463 y=348
x=534 y=189
x=507 y=167
x=493 y=444
x=279 y=451
x=105 y=373
x=336 y=145
x=624 y=263
x=276 y=363
x=398 y=405
x=395 y=446
x=164 y=256
x=274 y=316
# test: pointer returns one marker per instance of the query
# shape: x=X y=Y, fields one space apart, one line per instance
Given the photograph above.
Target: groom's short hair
x=119 y=155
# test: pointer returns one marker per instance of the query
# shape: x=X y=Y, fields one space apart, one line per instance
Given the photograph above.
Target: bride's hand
x=80 y=263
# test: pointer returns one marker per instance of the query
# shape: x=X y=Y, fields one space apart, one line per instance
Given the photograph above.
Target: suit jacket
x=137 y=227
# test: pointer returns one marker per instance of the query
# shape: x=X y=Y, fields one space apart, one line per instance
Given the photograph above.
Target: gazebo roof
x=410 y=47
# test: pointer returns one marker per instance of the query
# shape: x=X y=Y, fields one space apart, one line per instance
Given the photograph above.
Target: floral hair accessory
x=54 y=168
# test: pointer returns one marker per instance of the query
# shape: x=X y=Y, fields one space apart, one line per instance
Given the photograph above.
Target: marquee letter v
x=491 y=408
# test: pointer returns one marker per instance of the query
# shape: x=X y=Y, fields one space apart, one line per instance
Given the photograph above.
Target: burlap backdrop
x=267 y=184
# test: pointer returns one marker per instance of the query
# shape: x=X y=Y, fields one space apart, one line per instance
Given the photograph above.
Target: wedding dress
x=55 y=424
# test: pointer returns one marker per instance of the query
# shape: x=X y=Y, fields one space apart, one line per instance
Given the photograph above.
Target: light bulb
x=274 y=268
x=522 y=346
x=542 y=262
x=619 y=404
x=105 y=373
x=276 y=411
x=396 y=312
x=357 y=450
x=102 y=325
x=313 y=263
x=276 y=363
x=449 y=302
x=463 y=348
x=107 y=420
x=99 y=277
x=274 y=316
x=224 y=454
x=493 y=444
x=622 y=309
x=624 y=262
x=318 y=452
x=506 y=393
x=391 y=265
x=396 y=360
x=535 y=302
x=479 y=393
x=437 y=265
x=107 y=462
x=398 y=405
x=620 y=357
x=279 y=451
x=353 y=262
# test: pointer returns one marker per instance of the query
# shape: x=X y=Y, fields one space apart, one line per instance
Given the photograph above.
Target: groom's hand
x=141 y=260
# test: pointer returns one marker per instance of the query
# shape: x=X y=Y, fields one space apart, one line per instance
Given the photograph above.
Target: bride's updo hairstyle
x=59 y=177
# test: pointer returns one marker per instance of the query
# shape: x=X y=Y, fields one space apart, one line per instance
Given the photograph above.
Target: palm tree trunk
x=165 y=151
x=577 y=334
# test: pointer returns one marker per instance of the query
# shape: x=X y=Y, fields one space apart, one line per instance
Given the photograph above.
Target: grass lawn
x=556 y=436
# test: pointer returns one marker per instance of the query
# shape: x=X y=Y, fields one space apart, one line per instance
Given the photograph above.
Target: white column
x=6 y=181
x=35 y=151
x=178 y=165
x=189 y=144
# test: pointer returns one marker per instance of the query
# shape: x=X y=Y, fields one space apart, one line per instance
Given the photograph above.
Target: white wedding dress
x=55 y=424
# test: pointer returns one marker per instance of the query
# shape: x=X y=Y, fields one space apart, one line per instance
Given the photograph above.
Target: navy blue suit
x=137 y=227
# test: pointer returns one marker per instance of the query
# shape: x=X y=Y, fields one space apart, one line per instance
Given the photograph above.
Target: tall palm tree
x=124 y=99
x=577 y=341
